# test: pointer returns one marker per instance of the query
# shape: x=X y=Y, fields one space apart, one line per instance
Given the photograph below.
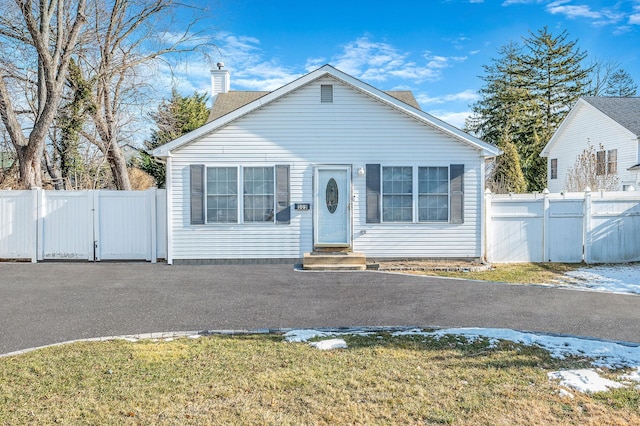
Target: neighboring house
x=611 y=126
x=326 y=161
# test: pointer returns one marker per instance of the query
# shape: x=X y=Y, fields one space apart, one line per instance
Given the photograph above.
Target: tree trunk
x=118 y=166
x=29 y=167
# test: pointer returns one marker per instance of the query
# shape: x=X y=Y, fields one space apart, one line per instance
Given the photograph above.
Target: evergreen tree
x=556 y=79
x=507 y=174
x=174 y=118
x=529 y=90
x=620 y=84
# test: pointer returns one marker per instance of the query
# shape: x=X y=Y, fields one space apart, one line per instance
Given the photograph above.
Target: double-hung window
x=264 y=199
x=397 y=194
x=400 y=194
x=433 y=194
x=222 y=194
x=258 y=194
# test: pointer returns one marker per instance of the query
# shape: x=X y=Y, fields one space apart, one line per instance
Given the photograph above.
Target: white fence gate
x=83 y=225
x=599 y=227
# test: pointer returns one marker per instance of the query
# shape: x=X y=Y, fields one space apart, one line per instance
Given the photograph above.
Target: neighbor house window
x=601 y=163
x=612 y=161
x=554 y=168
x=433 y=194
x=397 y=190
x=258 y=194
x=222 y=195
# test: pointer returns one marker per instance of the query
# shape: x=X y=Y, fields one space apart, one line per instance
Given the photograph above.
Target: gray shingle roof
x=234 y=99
x=231 y=101
x=625 y=111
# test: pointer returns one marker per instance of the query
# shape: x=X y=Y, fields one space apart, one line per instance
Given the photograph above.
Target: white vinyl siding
x=299 y=131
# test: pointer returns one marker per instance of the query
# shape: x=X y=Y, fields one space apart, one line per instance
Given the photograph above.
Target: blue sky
x=436 y=48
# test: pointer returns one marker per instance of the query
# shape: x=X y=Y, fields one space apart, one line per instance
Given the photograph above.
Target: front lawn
x=520 y=273
x=261 y=379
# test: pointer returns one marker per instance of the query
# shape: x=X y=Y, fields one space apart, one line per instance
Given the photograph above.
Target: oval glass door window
x=332 y=195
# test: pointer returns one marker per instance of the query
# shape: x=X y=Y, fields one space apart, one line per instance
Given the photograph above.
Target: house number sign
x=332 y=195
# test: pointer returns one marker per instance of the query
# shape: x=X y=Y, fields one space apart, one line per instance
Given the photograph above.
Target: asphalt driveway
x=47 y=303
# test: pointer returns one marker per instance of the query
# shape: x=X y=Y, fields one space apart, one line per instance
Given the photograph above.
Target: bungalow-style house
x=612 y=127
x=325 y=163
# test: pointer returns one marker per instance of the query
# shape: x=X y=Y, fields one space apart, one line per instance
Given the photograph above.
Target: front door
x=332 y=206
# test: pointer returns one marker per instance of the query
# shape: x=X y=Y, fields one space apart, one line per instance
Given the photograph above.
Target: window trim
x=612 y=166
x=415 y=195
x=601 y=162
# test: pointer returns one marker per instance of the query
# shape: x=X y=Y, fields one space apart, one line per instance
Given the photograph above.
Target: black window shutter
x=456 y=186
x=197 y=194
x=373 y=193
x=283 y=208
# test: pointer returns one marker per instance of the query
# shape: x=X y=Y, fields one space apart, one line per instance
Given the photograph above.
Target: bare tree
x=124 y=44
x=592 y=172
x=43 y=36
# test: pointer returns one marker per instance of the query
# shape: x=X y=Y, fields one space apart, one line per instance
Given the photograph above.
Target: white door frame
x=320 y=202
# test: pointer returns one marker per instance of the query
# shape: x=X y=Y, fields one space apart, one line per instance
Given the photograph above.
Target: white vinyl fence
x=598 y=227
x=83 y=225
x=590 y=227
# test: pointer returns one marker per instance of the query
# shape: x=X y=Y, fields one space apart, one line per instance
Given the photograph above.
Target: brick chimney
x=220 y=81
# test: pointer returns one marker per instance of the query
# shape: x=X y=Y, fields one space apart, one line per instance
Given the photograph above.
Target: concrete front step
x=326 y=261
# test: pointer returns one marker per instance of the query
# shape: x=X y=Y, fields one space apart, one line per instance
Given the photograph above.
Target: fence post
x=487 y=243
x=37 y=222
x=546 y=246
x=151 y=197
x=41 y=208
x=94 y=198
x=586 y=226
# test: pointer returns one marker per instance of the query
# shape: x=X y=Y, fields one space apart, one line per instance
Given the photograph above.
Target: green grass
x=260 y=379
x=520 y=273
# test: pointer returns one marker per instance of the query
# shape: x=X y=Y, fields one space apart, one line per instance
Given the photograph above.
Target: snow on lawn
x=612 y=355
x=623 y=278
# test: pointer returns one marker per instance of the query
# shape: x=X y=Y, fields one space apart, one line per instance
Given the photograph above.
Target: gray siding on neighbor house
x=300 y=131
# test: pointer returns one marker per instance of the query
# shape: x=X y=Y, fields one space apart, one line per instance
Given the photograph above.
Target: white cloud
x=571 y=11
x=456 y=119
x=468 y=95
x=379 y=61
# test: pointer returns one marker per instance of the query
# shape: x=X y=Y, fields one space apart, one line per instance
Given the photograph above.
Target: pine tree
x=174 y=118
x=556 y=79
x=506 y=175
x=529 y=90
x=620 y=84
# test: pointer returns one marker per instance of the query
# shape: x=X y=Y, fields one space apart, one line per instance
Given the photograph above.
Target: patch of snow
x=327 y=345
x=604 y=354
x=608 y=278
x=633 y=376
x=303 y=335
x=584 y=380
x=566 y=394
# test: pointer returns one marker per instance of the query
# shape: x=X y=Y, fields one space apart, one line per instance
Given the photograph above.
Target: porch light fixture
x=361 y=171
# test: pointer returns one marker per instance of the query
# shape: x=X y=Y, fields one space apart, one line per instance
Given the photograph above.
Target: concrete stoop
x=334 y=261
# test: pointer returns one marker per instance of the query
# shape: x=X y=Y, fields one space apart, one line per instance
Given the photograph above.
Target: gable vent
x=326 y=93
